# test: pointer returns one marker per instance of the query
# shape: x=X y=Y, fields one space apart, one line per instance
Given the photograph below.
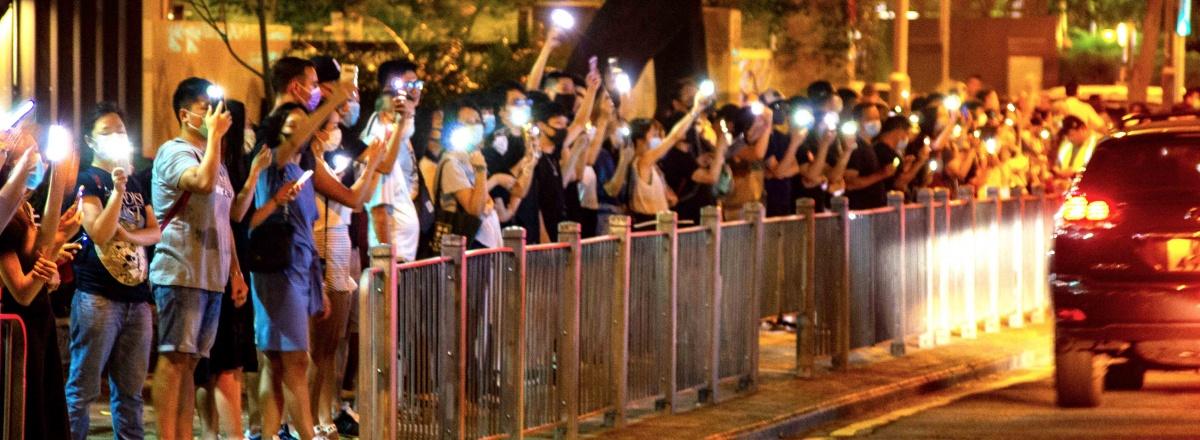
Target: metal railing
x=12 y=377
x=524 y=339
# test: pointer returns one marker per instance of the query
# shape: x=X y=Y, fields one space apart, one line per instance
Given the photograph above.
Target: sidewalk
x=785 y=405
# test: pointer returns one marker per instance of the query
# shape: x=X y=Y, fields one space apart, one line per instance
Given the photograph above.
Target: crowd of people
x=244 y=238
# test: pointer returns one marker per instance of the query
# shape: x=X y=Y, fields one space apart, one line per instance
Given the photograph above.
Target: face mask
x=202 y=129
x=353 y=112
x=249 y=139
x=655 y=142
x=333 y=141
x=489 y=123
x=559 y=138
x=314 y=99
x=114 y=148
x=36 y=176
x=871 y=128
x=901 y=144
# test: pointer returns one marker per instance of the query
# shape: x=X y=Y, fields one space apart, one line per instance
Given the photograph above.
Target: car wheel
x=1128 y=376
x=1078 y=378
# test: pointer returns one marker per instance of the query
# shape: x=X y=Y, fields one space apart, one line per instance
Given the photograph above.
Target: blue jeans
x=113 y=334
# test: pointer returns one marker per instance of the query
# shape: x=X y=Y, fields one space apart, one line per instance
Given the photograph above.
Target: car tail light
x=1079 y=209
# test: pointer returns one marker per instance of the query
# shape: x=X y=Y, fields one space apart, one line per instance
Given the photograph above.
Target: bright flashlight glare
x=1009 y=122
x=904 y=94
x=933 y=165
x=914 y=119
x=461 y=139
x=756 y=108
x=562 y=19
x=58 y=143
x=1012 y=107
x=707 y=88
x=957 y=131
x=624 y=85
x=340 y=162
x=215 y=92
x=803 y=118
x=520 y=116
x=850 y=128
x=831 y=120
x=990 y=144
x=952 y=102
x=13 y=117
x=624 y=130
x=1045 y=134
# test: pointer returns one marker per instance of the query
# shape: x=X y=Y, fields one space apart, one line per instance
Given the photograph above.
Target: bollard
x=619 y=226
x=1017 y=235
x=991 y=323
x=710 y=218
x=756 y=214
x=668 y=301
x=968 y=325
x=941 y=216
x=895 y=200
x=452 y=340
x=512 y=399
x=841 y=337
x=377 y=343
x=925 y=199
x=806 y=337
x=568 y=389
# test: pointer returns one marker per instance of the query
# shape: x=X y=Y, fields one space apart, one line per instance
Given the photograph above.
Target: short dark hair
x=287 y=69
x=895 y=123
x=498 y=95
x=188 y=91
x=860 y=109
x=982 y=94
x=819 y=91
x=393 y=68
x=638 y=128
x=543 y=111
x=1072 y=88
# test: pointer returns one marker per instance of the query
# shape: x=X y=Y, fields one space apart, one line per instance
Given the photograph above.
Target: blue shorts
x=187 y=319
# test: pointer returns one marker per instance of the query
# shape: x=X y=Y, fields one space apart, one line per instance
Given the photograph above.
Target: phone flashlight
x=831 y=120
x=707 y=88
x=952 y=102
x=850 y=128
x=562 y=19
x=304 y=178
x=215 y=93
x=59 y=143
x=17 y=114
x=803 y=117
x=990 y=144
x=756 y=108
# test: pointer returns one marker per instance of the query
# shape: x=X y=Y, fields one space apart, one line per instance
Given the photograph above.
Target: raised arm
x=245 y=197
x=203 y=178
x=579 y=124
x=305 y=129
x=534 y=81
x=328 y=184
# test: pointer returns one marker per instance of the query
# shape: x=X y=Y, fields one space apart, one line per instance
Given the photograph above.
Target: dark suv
x=1125 y=269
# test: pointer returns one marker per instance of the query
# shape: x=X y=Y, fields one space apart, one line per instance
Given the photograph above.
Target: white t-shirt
x=457 y=175
x=393 y=192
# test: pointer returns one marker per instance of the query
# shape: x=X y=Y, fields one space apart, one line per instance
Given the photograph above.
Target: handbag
x=123 y=260
x=456 y=222
x=270 y=249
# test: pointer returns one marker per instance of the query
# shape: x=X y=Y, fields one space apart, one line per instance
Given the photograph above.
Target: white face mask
x=872 y=128
x=114 y=148
x=333 y=141
x=476 y=134
x=655 y=142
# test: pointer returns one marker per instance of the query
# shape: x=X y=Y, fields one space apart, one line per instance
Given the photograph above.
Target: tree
x=216 y=14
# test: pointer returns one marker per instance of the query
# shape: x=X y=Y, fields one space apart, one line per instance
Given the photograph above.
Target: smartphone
x=18 y=114
x=350 y=71
x=304 y=178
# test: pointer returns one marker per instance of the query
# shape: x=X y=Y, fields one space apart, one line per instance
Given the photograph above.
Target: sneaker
x=347 y=422
x=285 y=433
x=325 y=432
x=252 y=436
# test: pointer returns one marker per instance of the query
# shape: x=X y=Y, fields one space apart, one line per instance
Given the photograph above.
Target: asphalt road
x=1021 y=405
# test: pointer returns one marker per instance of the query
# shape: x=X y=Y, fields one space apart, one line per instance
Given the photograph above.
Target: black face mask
x=559 y=138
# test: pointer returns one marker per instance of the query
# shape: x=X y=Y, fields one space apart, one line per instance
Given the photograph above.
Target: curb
x=811 y=417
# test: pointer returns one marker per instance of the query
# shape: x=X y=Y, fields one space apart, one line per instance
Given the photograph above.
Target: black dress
x=45 y=393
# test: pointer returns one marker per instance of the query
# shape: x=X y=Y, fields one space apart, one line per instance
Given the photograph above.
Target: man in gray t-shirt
x=191 y=194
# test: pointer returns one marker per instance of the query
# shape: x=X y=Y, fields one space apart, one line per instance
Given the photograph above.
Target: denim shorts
x=187 y=319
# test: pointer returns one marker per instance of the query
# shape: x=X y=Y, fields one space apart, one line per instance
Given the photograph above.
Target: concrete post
x=841 y=319
x=710 y=218
x=618 y=336
x=452 y=340
x=667 y=305
x=568 y=389
x=895 y=200
x=512 y=401
x=376 y=345
x=619 y=226
x=806 y=337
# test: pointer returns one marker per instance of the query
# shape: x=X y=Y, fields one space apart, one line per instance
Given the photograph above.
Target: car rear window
x=1118 y=168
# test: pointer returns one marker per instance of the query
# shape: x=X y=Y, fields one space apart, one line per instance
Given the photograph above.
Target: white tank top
x=649 y=197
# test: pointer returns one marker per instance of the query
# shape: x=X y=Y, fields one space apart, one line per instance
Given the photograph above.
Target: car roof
x=1182 y=125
